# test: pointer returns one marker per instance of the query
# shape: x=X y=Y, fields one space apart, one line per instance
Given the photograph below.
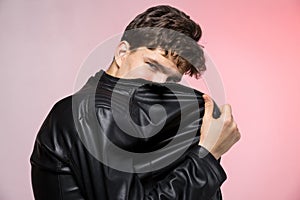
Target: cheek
x=141 y=72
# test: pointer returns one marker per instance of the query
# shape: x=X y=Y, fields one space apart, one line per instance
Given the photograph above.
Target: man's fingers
x=226 y=112
x=209 y=105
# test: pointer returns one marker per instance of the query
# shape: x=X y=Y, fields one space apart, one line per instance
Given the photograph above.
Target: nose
x=160 y=78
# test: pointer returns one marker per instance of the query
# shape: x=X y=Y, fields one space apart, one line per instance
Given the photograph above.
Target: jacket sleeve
x=52 y=185
x=198 y=176
x=51 y=174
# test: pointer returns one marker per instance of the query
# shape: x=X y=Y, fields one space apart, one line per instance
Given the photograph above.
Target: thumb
x=209 y=105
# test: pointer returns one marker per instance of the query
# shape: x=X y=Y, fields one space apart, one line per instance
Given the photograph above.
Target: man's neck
x=112 y=70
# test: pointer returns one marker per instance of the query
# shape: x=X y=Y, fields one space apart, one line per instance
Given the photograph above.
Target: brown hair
x=172 y=30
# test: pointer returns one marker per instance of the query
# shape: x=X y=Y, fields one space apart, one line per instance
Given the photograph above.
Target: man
x=110 y=141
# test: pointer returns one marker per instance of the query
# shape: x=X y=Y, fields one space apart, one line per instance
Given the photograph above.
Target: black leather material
x=65 y=167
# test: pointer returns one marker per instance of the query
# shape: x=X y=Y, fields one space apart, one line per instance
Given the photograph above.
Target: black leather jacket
x=81 y=129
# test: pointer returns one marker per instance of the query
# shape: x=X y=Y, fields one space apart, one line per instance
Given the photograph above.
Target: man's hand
x=218 y=135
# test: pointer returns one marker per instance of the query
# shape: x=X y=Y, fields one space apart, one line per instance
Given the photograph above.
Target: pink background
x=254 y=44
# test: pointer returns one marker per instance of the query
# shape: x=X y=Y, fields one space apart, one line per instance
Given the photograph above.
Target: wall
x=255 y=46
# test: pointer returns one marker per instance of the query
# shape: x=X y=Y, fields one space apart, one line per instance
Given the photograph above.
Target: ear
x=121 y=52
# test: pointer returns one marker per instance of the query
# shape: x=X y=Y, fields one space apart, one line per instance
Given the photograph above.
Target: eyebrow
x=166 y=70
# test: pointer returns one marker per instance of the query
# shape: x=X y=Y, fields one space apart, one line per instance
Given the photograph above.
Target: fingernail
x=206 y=97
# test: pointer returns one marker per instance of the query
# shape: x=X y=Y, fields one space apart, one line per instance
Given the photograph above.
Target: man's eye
x=153 y=66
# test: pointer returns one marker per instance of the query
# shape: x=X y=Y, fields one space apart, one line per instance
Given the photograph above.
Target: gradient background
x=254 y=44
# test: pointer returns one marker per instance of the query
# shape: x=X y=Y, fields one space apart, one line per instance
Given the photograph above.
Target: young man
x=110 y=141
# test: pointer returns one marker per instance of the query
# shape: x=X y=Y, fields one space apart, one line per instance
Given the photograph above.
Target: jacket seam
x=60 y=187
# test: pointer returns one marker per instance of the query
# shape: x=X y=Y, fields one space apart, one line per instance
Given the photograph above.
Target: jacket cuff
x=200 y=152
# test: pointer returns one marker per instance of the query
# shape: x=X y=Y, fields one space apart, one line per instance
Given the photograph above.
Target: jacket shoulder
x=55 y=137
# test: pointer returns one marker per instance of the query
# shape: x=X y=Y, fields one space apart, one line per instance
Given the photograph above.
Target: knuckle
x=227 y=122
x=238 y=136
x=234 y=125
x=227 y=111
x=228 y=107
x=230 y=117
